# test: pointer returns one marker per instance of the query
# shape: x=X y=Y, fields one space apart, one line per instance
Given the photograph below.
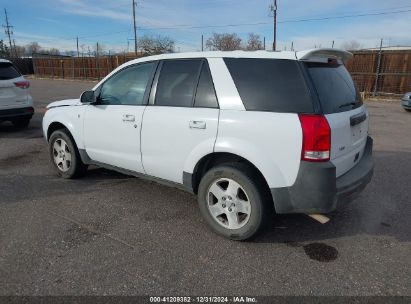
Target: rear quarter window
x=335 y=87
x=274 y=85
x=8 y=71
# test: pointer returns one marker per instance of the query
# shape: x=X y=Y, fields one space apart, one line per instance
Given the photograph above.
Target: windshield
x=335 y=87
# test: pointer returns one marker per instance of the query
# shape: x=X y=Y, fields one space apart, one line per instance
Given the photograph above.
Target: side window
x=128 y=86
x=205 y=96
x=274 y=85
x=177 y=83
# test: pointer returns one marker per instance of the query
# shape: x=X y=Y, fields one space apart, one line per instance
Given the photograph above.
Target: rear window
x=274 y=85
x=8 y=71
x=335 y=87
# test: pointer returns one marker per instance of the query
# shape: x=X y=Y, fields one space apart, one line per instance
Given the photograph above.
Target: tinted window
x=8 y=71
x=335 y=87
x=177 y=83
x=205 y=95
x=128 y=86
x=270 y=85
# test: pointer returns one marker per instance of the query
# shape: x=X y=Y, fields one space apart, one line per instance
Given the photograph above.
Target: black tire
x=21 y=123
x=408 y=110
x=255 y=189
x=76 y=168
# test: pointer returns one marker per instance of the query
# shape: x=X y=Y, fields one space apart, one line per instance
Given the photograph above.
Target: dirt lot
x=112 y=234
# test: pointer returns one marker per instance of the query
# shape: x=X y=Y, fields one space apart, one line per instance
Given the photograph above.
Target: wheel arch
x=214 y=159
x=54 y=126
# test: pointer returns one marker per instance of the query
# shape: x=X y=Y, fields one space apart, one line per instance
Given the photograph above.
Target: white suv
x=247 y=132
x=16 y=104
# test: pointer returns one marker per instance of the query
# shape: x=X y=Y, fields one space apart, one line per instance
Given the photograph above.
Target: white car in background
x=16 y=104
x=247 y=132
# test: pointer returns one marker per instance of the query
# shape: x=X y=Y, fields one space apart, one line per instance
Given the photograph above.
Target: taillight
x=22 y=84
x=316 y=138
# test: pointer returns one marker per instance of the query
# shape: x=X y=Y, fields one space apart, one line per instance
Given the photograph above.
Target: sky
x=57 y=23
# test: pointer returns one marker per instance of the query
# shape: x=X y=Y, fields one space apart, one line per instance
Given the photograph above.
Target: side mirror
x=88 y=97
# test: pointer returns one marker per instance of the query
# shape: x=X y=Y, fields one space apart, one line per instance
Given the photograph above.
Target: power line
x=187 y=26
x=283 y=21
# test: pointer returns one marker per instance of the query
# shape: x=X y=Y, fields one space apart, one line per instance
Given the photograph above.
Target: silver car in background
x=16 y=104
x=406 y=101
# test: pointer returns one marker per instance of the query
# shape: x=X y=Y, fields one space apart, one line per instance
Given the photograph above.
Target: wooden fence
x=77 y=67
x=372 y=71
x=385 y=72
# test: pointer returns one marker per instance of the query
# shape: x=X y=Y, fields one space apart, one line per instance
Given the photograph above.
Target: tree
x=32 y=48
x=223 y=42
x=254 y=42
x=52 y=51
x=100 y=50
x=20 y=50
x=351 y=45
x=156 y=45
x=71 y=53
x=4 y=50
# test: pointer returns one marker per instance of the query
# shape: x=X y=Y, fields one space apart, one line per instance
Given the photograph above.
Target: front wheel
x=65 y=156
x=233 y=201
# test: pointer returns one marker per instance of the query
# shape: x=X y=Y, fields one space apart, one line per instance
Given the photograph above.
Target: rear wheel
x=65 y=156
x=233 y=201
x=21 y=122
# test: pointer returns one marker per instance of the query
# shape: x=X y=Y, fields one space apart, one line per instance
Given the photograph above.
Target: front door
x=112 y=125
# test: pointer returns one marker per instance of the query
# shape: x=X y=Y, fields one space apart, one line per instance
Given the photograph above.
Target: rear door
x=344 y=110
x=11 y=96
x=181 y=119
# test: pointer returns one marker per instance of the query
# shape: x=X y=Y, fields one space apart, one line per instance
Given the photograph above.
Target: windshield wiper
x=347 y=104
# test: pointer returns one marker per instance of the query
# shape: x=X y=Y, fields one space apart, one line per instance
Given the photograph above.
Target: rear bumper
x=317 y=190
x=16 y=113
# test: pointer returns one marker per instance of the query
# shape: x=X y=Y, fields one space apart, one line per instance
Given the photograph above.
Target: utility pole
x=377 y=72
x=273 y=8
x=135 y=29
x=8 y=30
x=78 y=53
x=15 y=49
x=332 y=46
x=264 y=43
x=202 y=43
x=292 y=45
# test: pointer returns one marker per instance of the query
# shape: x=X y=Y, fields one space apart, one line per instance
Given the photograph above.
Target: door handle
x=129 y=117
x=195 y=124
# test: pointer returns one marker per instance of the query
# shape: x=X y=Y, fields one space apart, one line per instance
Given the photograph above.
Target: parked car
x=406 y=101
x=16 y=104
x=247 y=132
